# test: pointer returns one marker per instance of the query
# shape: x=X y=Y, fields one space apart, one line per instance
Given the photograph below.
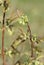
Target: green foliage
x=25 y=59
x=23 y=56
x=23 y=19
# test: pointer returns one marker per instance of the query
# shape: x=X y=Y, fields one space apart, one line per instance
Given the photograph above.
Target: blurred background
x=34 y=9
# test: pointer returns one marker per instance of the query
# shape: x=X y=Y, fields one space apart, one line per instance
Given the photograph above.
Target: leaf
x=16 y=43
x=10 y=30
x=23 y=19
x=1 y=1
x=9 y=53
x=38 y=63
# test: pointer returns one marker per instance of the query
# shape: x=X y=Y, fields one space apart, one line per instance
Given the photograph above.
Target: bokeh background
x=34 y=9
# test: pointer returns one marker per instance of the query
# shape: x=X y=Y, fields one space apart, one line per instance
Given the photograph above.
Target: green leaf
x=23 y=19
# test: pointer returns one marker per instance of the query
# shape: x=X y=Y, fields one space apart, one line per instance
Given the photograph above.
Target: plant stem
x=3 y=30
x=32 y=44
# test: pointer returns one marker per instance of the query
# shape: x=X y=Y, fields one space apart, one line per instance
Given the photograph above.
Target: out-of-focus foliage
x=19 y=50
x=23 y=20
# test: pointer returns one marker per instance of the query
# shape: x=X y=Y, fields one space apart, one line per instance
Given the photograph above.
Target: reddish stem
x=3 y=30
x=3 y=45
